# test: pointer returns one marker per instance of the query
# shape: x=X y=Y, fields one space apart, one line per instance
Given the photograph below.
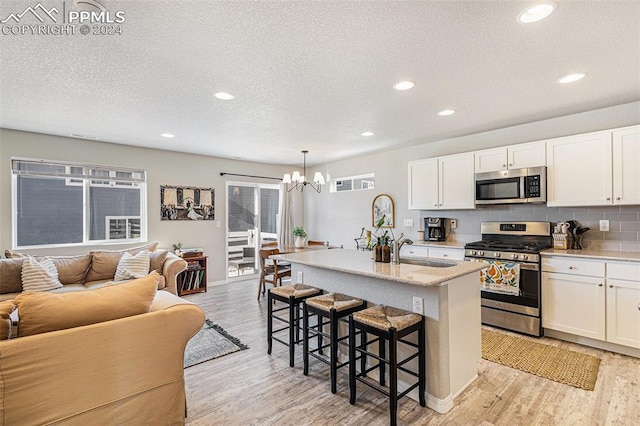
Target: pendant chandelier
x=299 y=182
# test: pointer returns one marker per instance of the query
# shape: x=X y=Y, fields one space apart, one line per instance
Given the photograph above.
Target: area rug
x=553 y=363
x=211 y=342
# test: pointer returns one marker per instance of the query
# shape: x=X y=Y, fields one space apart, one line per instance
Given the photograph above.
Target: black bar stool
x=389 y=325
x=334 y=307
x=293 y=296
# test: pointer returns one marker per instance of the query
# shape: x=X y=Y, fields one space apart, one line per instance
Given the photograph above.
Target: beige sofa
x=122 y=371
x=90 y=271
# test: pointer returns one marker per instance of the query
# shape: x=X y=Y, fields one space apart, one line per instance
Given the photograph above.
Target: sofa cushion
x=11 y=275
x=45 y=312
x=156 y=260
x=6 y=308
x=104 y=263
x=71 y=269
x=39 y=275
x=131 y=266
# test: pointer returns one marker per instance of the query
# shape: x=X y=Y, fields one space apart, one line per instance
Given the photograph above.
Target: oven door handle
x=530 y=266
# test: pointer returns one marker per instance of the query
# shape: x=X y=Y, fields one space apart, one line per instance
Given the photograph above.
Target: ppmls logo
x=67 y=18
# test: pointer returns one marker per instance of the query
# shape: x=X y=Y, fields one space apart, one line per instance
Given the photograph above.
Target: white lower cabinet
x=623 y=303
x=447 y=253
x=574 y=304
x=432 y=252
x=591 y=298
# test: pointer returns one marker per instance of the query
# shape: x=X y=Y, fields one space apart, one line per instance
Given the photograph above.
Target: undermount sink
x=428 y=262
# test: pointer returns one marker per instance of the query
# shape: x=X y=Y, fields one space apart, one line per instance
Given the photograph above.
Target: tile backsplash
x=624 y=222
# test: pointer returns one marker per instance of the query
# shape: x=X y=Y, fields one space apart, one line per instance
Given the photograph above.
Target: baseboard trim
x=443 y=406
x=606 y=346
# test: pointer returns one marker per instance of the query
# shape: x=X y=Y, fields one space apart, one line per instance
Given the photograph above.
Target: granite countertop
x=361 y=263
x=627 y=256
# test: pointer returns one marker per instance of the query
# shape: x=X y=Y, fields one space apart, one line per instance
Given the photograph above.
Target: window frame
x=333 y=188
x=138 y=181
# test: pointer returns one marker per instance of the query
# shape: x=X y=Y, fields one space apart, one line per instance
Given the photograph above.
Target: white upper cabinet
x=491 y=160
x=626 y=165
x=511 y=157
x=456 y=186
x=423 y=184
x=579 y=170
x=442 y=183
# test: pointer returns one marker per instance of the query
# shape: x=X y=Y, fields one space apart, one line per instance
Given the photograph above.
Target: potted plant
x=177 y=248
x=300 y=235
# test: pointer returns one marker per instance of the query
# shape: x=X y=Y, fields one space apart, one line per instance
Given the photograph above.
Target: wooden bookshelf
x=194 y=278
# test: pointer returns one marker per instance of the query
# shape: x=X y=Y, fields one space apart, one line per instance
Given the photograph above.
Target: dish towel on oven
x=501 y=277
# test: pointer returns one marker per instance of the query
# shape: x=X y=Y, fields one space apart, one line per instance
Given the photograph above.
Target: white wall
x=163 y=168
x=338 y=217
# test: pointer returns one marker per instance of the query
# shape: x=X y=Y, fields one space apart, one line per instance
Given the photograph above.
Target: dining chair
x=315 y=243
x=271 y=272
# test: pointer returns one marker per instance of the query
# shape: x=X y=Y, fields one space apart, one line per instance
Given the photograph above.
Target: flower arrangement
x=177 y=246
x=299 y=231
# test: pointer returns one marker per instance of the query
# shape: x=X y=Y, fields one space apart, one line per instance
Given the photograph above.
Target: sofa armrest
x=125 y=371
x=172 y=266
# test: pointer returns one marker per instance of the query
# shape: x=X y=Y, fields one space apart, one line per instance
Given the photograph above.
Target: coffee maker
x=435 y=229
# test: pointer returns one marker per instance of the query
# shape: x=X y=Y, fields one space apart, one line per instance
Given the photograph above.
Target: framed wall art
x=187 y=203
x=383 y=206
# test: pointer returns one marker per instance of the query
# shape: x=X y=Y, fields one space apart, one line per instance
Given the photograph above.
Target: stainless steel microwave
x=512 y=186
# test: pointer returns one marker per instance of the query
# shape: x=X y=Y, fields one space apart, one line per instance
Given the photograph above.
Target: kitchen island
x=451 y=304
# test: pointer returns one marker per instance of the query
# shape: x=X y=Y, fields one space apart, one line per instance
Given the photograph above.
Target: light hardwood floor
x=252 y=388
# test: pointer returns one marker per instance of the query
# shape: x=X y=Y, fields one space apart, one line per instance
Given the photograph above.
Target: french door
x=252 y=219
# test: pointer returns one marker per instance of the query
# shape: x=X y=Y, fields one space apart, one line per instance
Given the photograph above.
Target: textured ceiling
x=314 y=75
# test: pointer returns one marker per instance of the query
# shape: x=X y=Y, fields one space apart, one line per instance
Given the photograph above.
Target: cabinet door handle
x=618 y=198
x=608 y=198
x=570 y=267
x=435 y=205
x=599 y=284
x=639 y=306
x=504 y=165
x=445 y=255
x=510 y=164
x=610 y=285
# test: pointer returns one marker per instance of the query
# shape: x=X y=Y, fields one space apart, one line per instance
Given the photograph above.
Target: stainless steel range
x=510 y=286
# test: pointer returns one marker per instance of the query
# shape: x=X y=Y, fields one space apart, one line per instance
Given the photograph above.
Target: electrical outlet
x=604 y=225
x=454 y=223
x=300 y=277
x=408 y=222
x=418 y=307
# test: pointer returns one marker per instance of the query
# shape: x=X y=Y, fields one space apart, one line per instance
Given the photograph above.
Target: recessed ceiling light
x=167 y=135
x=537 y=12
x=224 y=96
x=570 y=78
x=404 y=85
x=447 y=112
x=366 y=134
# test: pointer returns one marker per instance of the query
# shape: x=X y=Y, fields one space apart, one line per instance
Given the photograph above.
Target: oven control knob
x=480 y=253
x=473 y=252
x=524 y=257
x=514 y=256
x=496 y=254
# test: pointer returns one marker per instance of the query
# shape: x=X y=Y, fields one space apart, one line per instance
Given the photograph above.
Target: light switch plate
x=408 y=222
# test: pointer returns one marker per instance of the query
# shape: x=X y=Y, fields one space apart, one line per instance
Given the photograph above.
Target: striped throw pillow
x=39 y=275
x=131 y=267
